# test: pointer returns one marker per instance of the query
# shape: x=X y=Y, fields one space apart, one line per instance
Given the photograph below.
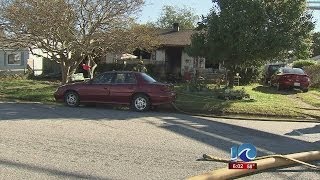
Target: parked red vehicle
x=136 y=89
x=286 y=78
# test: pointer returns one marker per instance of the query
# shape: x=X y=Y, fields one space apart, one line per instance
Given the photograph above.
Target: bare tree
x=69 y=31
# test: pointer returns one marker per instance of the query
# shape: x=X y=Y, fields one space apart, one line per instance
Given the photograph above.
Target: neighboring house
x=41 y=64
x=14 y=60
x=20 y=60
x=173 y=43
x=171 y=52
x=35 y=62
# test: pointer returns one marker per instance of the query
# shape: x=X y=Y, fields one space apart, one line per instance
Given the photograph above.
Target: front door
x=173 y=60
x=98 y=89
x=123 y=88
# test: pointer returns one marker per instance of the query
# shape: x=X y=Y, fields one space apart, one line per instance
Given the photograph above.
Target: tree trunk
x=230 y=76
x=65 y=73
x=93 y=65
x=93 y=68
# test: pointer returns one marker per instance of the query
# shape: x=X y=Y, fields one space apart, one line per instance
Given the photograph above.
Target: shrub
x=313 y=72
x=13 y=75
x=249 y=74
x=303 y=63
x=231 y=94
x=197 y=86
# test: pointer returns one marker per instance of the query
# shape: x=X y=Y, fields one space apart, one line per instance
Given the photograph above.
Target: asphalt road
x=56 y=142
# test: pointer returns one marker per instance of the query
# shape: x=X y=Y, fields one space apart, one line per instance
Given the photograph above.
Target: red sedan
x=136 y=89
x=286 y=78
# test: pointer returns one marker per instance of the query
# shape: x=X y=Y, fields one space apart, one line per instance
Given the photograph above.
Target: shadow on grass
x=41 y=94
x=271 y=90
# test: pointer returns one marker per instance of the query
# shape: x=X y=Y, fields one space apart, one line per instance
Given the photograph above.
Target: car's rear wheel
x=71 y=99
x=140 y=103
x=305 y=90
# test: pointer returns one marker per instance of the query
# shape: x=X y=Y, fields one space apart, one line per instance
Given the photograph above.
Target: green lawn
x=313 y=98
x=28 y=90
x=265 y=102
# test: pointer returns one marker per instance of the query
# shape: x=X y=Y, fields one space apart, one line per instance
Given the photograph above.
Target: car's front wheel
x=140 y=103
x=71 y=99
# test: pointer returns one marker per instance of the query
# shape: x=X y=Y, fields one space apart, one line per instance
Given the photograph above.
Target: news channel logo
x=246 y=152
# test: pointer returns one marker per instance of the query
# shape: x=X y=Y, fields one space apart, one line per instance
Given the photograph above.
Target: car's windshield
x=148 y=78
x=293 y=71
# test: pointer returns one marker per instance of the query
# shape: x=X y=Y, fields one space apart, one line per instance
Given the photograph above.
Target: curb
x=272 y=119
x=259 y=119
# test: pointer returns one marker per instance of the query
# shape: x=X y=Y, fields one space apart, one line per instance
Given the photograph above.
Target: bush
x=231 y=94
x=197 y=86
x=9 y=75
x=313 y=72
x=249 y=75
x=303 y=63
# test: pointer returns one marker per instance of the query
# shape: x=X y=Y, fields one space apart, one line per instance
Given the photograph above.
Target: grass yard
x=313 y=97
x=28 y=90
x=265 y=101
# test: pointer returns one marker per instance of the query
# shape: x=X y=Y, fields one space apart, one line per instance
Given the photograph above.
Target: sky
x=152 y=9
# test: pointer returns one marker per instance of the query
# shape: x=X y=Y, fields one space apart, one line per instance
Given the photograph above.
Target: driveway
x=56 y=142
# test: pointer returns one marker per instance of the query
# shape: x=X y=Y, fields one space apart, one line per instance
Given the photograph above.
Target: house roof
x=170 y=37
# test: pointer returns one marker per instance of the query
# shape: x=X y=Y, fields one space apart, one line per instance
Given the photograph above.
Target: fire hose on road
x=263 y=163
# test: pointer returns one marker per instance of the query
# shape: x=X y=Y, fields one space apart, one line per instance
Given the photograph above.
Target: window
x=14 y=59
x=293 y=71
x=298 y=71
x=105 y=78
x=125 y=78
x=147 y=78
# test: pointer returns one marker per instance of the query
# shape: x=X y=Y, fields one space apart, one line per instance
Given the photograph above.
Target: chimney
x=176 y=27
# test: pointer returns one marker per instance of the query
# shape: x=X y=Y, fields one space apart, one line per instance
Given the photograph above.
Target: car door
x=123 y=88
x=98 y=89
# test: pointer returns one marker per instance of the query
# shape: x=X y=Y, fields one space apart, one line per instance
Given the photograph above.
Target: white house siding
x=110 y=58
x=21 y=54
x=36 y=62
x=190 y=64
x=186 y=63
x=160 y=55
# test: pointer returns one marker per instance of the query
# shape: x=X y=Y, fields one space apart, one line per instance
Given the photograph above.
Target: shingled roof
x=171 y=37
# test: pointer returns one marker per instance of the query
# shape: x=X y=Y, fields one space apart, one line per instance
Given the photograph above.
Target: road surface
x=56 y=142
